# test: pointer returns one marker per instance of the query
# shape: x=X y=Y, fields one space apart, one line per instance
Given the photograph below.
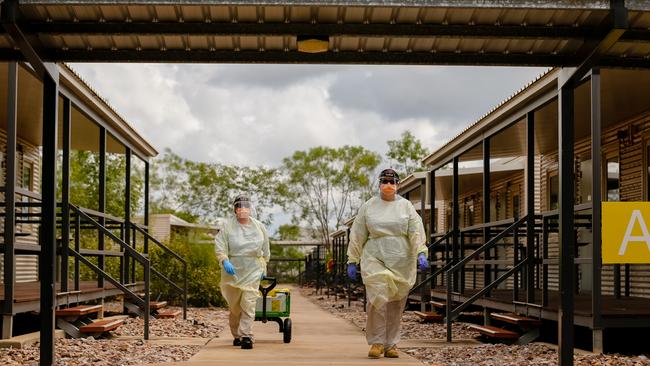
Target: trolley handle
x=265 y=291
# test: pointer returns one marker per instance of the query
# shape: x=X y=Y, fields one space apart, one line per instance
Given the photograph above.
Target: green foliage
x=289 y=232
x=286 y=271
x=206 y=190
x=203 y=273
x=84 y=182
x=407 y=153
x=327 y=184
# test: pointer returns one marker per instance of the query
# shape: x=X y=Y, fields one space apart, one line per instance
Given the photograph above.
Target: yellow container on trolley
x=274 y=305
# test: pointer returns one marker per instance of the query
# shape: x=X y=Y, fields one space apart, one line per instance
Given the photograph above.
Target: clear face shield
x=244 y=209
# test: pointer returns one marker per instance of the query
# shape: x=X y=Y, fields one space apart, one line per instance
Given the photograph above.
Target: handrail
x=134 y=253
x=183 y=290
x=488 y=225
x=576 y=208
x=430 y=277
x=145 y=303
x=164 y=278
x=107 y=276
x=91 y=212
x=452 y=312
x=457 y=310
x=23 y=192
x=442 y=238
x=157 y=242
x=487 y=245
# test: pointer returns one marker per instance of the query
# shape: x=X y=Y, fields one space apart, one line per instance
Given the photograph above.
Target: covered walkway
x=319 y=338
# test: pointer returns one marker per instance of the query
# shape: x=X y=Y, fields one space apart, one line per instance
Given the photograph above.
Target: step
x=494 y=332
x=102 y=326
x=438 y=304
x=516 y=319
x=79 y=310
x=155 y=305
x=168 y=314
x=429 y=316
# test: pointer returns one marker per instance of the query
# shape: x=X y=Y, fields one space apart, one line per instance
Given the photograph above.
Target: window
x=515 y=206
x=435 y=227
x=493 y=206
x=553 y=191
x=497 y=206
x=613 y=180
x=470 y=212
x=648 y=172
x=3 y=168
x=585 y=181
x=28 y=170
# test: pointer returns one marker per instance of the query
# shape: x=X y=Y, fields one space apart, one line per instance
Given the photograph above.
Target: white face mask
x=243 y=213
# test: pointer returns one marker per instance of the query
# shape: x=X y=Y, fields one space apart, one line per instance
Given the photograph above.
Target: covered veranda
x=574 y=35
x=511 y=255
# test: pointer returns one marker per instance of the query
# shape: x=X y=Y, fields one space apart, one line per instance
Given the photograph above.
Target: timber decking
x=625 y=307
x=27 y=294
x=494 y=332
x=79 y=310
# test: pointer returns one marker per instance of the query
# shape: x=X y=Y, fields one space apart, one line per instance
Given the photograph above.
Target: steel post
x=47 y=263
x=566 y=231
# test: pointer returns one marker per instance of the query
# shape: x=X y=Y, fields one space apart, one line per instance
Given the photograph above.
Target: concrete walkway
x=319 y=338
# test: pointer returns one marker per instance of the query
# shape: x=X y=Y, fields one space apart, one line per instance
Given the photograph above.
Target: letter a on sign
x=636 y=217
x=626 y=238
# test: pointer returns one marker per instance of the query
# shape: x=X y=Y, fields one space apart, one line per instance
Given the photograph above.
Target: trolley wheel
x=287 y=330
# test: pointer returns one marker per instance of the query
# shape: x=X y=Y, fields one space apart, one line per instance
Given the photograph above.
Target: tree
x=289 y=232
x=206 y=190
x=407 y=153
x=327 y=183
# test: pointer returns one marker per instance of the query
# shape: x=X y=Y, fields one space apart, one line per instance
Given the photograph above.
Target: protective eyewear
x=388 y=181
x=243 y=204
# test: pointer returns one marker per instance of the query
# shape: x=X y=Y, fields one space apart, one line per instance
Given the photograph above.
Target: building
x=499 y=246
x=95 y=235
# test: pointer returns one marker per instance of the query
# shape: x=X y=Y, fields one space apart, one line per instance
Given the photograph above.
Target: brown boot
x=391 y=352
x=376 y=350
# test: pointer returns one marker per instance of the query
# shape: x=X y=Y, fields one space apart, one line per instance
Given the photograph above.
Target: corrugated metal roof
x=123 y=126
x=511 y=101
x=412 y=179
x=396 y=32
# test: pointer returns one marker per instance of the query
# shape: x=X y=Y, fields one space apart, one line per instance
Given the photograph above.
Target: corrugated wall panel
x=29 y=157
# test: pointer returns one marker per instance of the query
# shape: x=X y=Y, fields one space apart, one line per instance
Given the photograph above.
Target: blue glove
x=352 y=271
x=423 y=263
x=228 y=267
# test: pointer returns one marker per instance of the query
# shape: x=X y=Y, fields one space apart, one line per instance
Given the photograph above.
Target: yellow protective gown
x=386 y=238
x=247 y=248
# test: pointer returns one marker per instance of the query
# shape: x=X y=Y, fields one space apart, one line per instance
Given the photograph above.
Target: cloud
x=259 y=114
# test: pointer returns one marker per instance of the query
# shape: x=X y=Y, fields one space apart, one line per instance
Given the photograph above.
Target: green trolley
x=274 y=305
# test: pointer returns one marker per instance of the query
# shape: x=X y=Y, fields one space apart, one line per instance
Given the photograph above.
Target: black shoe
x=236 y=342
x=246 y=343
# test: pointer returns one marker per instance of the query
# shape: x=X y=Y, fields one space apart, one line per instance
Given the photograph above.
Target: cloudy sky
x=259 y=114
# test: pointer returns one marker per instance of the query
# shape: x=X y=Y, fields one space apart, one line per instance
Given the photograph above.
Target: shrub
x=203 y=273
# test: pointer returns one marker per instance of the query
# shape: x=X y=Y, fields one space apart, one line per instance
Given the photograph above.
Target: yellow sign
x=626 y=238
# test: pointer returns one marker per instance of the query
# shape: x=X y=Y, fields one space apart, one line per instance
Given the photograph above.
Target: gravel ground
x=503 y=355
x=88 y=351
x=412 y=327
x=534 y=354
x=201 y=323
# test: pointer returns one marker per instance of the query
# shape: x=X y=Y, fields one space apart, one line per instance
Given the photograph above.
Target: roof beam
x=29 y=50
x=322 y=29
x=395 y=58
x=617 y=23
x=481 y=4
